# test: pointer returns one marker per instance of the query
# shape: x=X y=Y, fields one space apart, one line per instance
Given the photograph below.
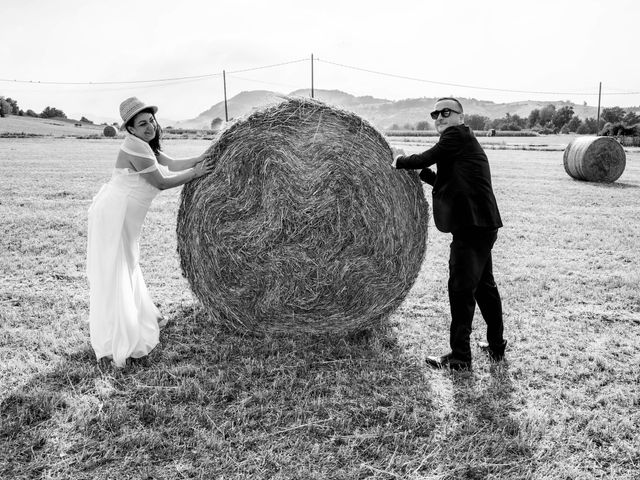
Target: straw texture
x=303 y=226
x=594 y=159
x=109 y=131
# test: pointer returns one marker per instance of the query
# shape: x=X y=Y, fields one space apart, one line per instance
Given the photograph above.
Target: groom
x=464 y=205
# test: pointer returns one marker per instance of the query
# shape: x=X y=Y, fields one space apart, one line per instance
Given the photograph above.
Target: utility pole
x=312 y=76
x=598 y=120
x=224 y=82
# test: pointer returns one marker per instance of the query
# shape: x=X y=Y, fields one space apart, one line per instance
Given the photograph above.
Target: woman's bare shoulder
x=124 y=160
x=135 y=162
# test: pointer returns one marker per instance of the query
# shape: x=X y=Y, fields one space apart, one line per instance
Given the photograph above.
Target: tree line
x=9 y=106
x=549 y=120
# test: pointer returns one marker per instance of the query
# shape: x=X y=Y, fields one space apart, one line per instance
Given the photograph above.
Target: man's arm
x=428 y=176
x=421 y=160
x=416 y=161
x=448 y=145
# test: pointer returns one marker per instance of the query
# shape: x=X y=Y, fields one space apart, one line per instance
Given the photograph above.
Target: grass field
x=212 y=403
x=51 y=127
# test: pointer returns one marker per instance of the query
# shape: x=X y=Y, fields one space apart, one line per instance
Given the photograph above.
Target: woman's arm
x=156 y=179
x=179 y=164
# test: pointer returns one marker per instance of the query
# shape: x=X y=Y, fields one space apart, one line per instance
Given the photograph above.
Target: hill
x=380 y=112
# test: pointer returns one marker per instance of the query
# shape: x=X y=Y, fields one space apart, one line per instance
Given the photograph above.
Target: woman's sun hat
x=132 y=106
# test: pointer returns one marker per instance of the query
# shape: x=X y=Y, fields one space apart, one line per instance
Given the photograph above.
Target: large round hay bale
x=594 y=159
x=109 y=131
x=303 y=226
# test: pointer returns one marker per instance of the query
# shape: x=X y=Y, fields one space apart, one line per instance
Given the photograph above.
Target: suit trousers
x=471 y=281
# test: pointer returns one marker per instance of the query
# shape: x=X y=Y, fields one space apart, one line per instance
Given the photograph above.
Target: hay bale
x=594 y=159
x=109 y=131
x=303 y=226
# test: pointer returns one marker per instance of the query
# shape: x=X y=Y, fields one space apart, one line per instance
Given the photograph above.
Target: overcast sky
x=498 y=50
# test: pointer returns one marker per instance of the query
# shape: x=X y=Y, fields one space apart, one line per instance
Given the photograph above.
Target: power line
x=176 y=80
x=156 y=80
x=404 y=77
x=269 y=66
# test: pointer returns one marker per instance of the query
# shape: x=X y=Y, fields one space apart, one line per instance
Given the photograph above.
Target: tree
x=520 y=122
x=31 y=113
x=588 y=127
x=9 y=106
x=5 y=107
x=423 y=125
x=612 y=115
x=52 y=112
x=562 y=117
x=476 y=122
x=534 y=117
x=216 y=124
x=574 y=124
x=85 y=120
x=618 y=129
x=508 y=122
x=546 y=115
x=13 y=106
x=631 y=118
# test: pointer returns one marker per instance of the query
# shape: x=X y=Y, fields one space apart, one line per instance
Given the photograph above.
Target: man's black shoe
x=448 y=361
x=495 y=354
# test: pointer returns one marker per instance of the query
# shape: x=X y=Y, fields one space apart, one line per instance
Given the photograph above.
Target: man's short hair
x=453 y=100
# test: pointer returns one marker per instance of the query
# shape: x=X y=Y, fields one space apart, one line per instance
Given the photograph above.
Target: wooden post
x=224 y=81
x=598 y=119
x=312 y=93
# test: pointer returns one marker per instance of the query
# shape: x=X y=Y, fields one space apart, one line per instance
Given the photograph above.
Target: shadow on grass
x=612 y=185
x=209 y=402
x=212 y=400
x=487 y=435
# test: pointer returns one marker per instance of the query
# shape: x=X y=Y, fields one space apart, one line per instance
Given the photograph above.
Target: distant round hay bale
x=594 y=159
x=109 y=131
x=303 y=226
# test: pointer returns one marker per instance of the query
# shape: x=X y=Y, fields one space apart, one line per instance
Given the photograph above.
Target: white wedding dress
x=123 y=320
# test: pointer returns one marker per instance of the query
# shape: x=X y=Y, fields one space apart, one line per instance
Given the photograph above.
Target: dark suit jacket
x=462 y=192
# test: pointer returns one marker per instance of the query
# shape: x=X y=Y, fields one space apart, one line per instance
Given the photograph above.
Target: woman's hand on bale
x=203 y=168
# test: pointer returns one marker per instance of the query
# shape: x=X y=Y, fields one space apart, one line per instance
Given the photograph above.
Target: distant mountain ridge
x=380 y=112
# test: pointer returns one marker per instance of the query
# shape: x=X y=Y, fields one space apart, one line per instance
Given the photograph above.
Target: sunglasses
x=445 y=112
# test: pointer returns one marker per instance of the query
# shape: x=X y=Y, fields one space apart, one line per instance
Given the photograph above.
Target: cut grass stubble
x=211 y=403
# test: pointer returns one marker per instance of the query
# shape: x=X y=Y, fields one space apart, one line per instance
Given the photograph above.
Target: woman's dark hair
x=154 y=143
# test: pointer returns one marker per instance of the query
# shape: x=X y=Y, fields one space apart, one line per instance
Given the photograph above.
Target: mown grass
x=213 y=403
x=14 y=125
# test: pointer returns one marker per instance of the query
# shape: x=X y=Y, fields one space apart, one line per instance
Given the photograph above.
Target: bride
x=123 y=320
